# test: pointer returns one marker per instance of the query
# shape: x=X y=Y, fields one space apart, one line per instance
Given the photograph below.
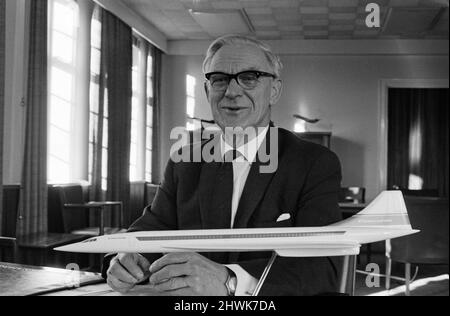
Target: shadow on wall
x=351 y=155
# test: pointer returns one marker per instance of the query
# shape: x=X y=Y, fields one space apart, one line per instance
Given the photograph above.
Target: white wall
x=14 y=91
x=341 y=90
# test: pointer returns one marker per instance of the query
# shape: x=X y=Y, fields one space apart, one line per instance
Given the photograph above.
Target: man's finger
x=171 y=271
x=171 y=285
x=119 y=272
x=182 y=292
x=143 y=263
x=118 y=285
x=130 y=263
x=172 y=258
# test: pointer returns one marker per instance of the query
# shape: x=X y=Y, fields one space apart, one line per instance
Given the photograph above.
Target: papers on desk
x=105 y=290
x=18 y=280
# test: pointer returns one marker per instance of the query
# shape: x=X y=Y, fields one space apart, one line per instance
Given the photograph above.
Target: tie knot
x=232 y=155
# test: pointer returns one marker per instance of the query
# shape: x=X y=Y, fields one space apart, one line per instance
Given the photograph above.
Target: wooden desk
x=37 y=249
x=22 y=280
x=100 y=207
x=48 y=241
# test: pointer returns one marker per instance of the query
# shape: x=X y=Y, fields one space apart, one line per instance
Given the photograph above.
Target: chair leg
x=388 y=273
x=407 y=278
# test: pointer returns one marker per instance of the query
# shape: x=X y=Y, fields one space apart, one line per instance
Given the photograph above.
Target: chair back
x=430 y=245
x=8 y=249
x=69 y=219
x=11 y=195
x=352 y=195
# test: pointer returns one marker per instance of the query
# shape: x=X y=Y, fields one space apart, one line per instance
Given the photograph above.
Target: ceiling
x=296 y=19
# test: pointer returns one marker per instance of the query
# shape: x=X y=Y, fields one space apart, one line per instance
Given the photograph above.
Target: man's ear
x=205 y=85
x=275 y=93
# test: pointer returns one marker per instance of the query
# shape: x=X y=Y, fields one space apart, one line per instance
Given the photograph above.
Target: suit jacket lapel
x=254 y=189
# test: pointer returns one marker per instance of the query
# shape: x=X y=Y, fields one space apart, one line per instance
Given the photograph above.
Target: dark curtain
x=2 y=101
x=115 y=103
x=418 y=138
x=33 y=196
x=156 y=143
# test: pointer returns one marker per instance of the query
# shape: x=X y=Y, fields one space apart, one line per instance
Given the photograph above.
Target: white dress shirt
x=241 y=168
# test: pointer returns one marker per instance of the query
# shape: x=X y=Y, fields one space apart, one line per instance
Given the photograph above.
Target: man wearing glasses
x=242 y=85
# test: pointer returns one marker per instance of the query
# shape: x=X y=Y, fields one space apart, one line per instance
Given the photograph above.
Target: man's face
x=236 y=106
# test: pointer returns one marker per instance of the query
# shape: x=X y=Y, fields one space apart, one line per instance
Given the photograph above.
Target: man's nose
x=234 y=89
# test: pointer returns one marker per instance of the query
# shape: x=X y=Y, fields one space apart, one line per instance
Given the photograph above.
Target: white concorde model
x=385 y=218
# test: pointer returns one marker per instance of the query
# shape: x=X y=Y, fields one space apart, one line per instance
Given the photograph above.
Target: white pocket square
x=284 y=217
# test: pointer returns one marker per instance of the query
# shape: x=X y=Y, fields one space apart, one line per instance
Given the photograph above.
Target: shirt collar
x=248 y=150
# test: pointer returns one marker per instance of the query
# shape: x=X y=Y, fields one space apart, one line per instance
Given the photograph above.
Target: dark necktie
x=222 y=201
x=223 y=192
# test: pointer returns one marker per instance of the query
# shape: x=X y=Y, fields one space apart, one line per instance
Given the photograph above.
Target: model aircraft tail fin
x=388 y=209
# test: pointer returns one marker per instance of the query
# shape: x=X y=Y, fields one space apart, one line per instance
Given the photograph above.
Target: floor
x=431 y=280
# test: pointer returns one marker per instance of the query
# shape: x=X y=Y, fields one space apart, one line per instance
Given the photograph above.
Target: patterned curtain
x=33 y=196
x=114 y=103
x=2 y=101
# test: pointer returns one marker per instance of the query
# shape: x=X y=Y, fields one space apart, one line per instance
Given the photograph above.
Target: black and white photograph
x=221 y=154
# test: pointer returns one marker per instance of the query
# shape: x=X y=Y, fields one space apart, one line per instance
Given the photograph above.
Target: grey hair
x=272 y=58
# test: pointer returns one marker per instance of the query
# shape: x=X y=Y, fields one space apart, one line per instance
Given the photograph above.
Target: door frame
x=385 y=85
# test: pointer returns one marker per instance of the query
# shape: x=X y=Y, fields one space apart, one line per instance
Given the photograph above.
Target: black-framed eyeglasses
x=246 y=79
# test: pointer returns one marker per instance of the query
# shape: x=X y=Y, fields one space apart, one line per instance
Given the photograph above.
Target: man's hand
x=188 y=274
x=127 y=270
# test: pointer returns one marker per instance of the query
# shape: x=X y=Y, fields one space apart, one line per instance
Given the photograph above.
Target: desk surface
x=48 y=240
x=21 y=280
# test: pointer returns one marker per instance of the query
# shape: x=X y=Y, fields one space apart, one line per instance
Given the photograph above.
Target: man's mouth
x=232 y=109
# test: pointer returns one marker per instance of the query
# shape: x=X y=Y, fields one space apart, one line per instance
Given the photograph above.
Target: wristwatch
x=231 y=283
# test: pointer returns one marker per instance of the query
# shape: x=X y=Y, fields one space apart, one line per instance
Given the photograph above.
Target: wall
x=14 y=90
x=341 y=90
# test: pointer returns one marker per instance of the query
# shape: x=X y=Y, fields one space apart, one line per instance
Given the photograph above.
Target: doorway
x=418 y=140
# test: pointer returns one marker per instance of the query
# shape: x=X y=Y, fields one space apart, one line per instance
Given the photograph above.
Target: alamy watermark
x=189 y=147
x=373 y=18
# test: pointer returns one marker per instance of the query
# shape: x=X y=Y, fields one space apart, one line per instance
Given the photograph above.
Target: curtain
x=2 y=101
x=115 y=104
x=418 y=140
x=32 y=216
x=156 y=143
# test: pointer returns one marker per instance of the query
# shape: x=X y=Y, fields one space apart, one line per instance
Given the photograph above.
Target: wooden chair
x=430 y=246
x=72 y=206
x=8 y=250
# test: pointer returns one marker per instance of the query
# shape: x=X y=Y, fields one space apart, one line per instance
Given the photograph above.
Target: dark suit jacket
x=306 y=185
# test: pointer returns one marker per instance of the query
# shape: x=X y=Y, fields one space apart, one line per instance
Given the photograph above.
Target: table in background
x=100 y=207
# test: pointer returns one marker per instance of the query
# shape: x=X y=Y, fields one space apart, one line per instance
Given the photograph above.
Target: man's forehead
x=235 y=58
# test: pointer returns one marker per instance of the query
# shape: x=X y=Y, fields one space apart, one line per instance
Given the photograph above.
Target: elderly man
x=243 y=84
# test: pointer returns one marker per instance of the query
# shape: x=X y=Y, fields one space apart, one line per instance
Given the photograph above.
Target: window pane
x=62 y=47
x=95 y=61
x=61 y=85
x=190 y=111
x=60 y=111
x=96 y=33
x=59 y=144
x=59 y=170
x=64 y=16
x=150 y=116
x=190 y=86
x=149 y=136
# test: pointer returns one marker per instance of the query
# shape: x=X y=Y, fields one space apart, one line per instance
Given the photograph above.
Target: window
x=149 y=123
x=95 y=114
x=62 y=75
x=190 y=102
x=141 y=148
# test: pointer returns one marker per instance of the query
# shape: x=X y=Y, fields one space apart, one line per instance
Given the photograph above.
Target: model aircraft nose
x=87 y=246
